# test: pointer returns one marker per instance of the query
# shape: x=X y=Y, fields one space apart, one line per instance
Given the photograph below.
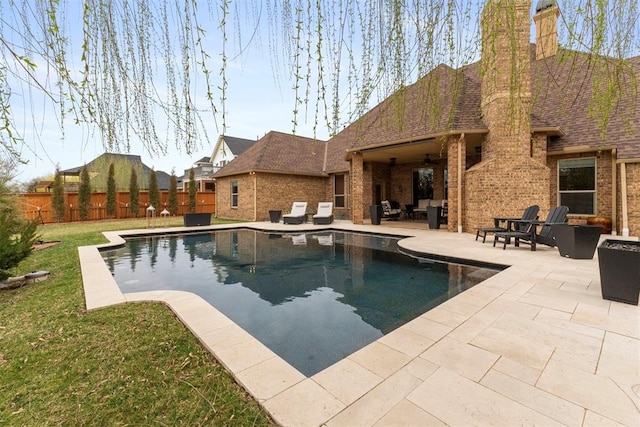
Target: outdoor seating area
x=390 y=211
x=324 y=215
x=526 y=231
x=500 y=223
x=297 y=214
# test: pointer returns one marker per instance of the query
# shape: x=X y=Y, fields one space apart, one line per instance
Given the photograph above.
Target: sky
x=257 y=102
x=259 y=99
x=256 y=105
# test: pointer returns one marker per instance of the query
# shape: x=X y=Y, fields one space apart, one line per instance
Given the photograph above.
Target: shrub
x=84 y=194
x=17 y=238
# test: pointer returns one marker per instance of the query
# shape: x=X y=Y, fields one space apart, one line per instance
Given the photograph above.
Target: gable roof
x=278 y=152
x=563 y=87
x=107 y=158
x=448 y=101
x=237 y=145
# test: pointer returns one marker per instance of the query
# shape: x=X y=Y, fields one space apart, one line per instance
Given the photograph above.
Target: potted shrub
x=576 y=241
x=619 y=262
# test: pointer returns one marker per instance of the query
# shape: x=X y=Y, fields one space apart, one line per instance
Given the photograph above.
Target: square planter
x=576 y=241
x=619 y=262
x=434 y=216
x=193 y=219
x=376 y=214
x=274 y=216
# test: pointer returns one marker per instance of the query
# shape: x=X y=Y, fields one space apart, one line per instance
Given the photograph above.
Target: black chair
x=408 y=212
x=529 y=214
x=526 y=231
x=389 y=212
x=445 y=212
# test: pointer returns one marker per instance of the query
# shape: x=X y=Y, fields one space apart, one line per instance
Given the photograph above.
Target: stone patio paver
x=535 y=344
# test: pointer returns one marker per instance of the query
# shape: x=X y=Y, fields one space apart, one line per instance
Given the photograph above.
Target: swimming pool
x=312 y=298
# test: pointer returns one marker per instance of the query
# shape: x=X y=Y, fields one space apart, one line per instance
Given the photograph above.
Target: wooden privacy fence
x=38 y=205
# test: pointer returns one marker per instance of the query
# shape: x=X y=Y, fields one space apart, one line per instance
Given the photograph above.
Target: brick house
x=491 y=138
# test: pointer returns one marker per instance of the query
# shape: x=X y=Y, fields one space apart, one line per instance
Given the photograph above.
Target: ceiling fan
x=427 y=160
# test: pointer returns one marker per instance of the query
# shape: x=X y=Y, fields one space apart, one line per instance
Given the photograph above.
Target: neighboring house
x=226 y=149
x=492 y=138
x=276 y=170
x=44 y=187
x=99 y=170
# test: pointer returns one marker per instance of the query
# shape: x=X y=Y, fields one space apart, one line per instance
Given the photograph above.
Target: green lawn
x=132 y=364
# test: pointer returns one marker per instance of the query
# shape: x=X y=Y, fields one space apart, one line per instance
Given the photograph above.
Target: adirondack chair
x=557 y=215
x=529 y=214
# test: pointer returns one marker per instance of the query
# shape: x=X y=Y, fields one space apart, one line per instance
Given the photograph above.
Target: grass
x=133 y=364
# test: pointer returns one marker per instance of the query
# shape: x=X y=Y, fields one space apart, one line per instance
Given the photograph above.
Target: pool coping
x=387 y=380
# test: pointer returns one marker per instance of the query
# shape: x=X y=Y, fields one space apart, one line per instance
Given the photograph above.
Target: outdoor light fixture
x=151 y=216
x=165 y=217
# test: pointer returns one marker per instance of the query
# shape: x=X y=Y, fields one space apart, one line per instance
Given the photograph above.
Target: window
x=577 y=185
x=422 y=184
x=339 y=191
x=234 y=194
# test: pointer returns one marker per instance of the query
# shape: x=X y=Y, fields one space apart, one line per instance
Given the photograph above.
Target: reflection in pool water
x=312 y=298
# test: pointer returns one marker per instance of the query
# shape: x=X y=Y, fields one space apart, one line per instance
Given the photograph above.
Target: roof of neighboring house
x=205 y=159
x=106 y=158
x=238 y=145
x=278 y=152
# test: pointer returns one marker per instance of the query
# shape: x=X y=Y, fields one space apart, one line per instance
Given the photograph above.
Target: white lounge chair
x=298 y=212
x=325 y=213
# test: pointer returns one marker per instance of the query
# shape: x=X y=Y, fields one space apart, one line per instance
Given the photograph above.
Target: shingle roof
x=563 y=86
x=443 y=100
x=106 y=158
x=278 y=152
x=448 y=100
x=238 y=145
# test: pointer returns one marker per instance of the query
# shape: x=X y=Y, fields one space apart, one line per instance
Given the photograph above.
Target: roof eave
x=268 y=171
x=414 y=139
x=549 y=130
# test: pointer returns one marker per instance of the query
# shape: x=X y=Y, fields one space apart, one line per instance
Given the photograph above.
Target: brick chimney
x=546 y=19
x=509 y=178
x=506 y=78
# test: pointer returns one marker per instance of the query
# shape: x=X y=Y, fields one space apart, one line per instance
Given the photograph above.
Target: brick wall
x=508 y=179
x=274 y=191
x=633 y=198
x=604 y=186
x=360 y=179
x=453 y=146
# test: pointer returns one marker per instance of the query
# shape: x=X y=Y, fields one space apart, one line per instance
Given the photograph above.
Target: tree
x=57 y=197
x=111 y=191
x=84 y=195
x=192 y=191
x=154 y=193
x=173 y=194
x=353 y=49
x=17 y=236
x=134 y=193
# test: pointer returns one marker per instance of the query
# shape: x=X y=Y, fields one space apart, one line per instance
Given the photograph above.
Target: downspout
x=623 y=195
x=460 y=183
x=614 y=193
x=255 y=196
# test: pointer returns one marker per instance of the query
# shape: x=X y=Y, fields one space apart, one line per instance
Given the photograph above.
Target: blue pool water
x=312 y=298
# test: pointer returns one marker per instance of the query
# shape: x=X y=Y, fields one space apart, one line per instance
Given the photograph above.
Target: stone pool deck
x=533 y=345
